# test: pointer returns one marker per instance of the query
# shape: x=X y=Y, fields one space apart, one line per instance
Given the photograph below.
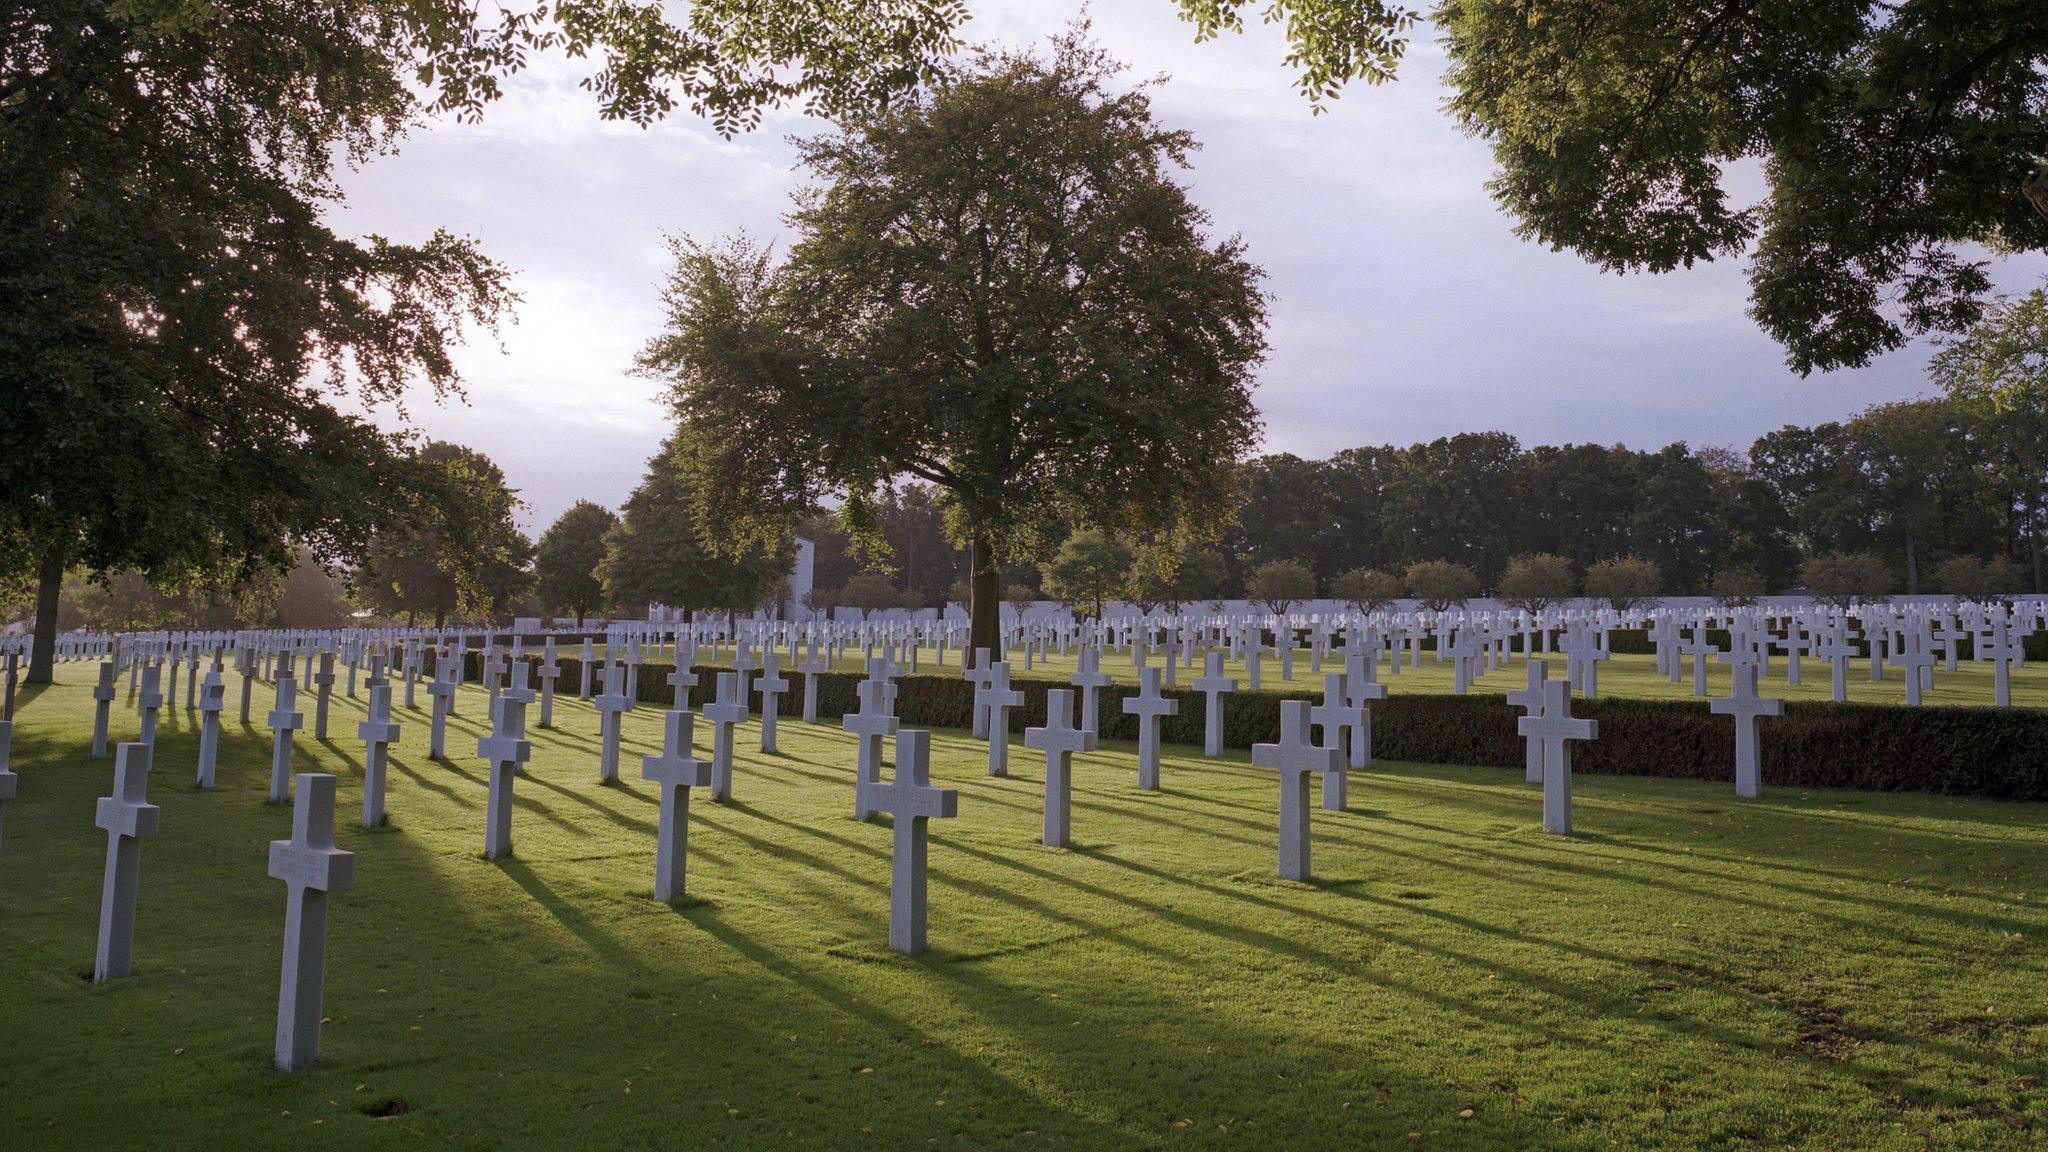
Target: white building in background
x=789 y=603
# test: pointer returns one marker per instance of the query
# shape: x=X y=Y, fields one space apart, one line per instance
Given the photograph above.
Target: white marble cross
x=2003 y=653
x=1698 y=646
x=1091 y=680
x=1059 y=740
x=770 y=687
x=1212 y=684
x=1336 y=714
x=1556 y=727
x=1746 y=706
x=211 y=703
x=377 y=733
x=128 y=819
x=869 y=726
x=1295 y=758
x=993 y=699
x=1918 y=661
x=811 y=668
x=979 y=676
x=1530 y=701
x=1254 y=653
x=912 y=800
x=284 y=721
x=9 y=780
x=550 y=671
x=725 y=712
x=676 y=771
x=1363 y=690
x=1835 y=648
x=505 y=749
x=151 y=700
x=1149 y=706
x=323 y=685
x=611 y=708
x=245 y=665
x=681 y=679
x=447 y=677
x=312 y=869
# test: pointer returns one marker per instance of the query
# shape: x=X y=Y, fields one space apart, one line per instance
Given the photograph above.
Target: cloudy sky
x=1403 y=307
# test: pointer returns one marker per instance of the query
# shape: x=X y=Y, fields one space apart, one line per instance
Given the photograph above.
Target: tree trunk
x=984 y=601
x=42 y=662
x=1912 y=567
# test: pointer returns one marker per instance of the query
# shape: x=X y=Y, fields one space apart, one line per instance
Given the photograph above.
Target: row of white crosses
x=312 y=867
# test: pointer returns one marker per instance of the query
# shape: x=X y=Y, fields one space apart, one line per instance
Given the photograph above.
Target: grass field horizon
x=1816 y=969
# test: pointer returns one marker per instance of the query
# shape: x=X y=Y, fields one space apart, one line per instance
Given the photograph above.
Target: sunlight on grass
x=1819 y=969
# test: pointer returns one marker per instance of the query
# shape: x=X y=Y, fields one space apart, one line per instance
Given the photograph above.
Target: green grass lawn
x=1819 y=970
x=1627 y=676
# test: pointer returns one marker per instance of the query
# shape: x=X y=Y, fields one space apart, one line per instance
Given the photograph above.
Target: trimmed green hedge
x=1887 y=748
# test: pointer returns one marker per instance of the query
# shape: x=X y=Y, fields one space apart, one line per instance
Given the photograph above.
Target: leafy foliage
x=1625 y=581
x=176 y=320
x=1064 y=345
x=1367 y=589
x=1535 y=581
x=1279 y=584
x=462 y=554
x=1091 y=568
x=566 y=561
x=656 y=554
x=1896 y=139
x=1440 y=583
x=1844 y=578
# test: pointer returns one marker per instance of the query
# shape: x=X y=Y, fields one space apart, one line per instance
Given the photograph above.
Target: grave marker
x=1059 y=739
x=312 y=869
x=210 y=706
x=725 y=712
x=912 y=800
x=283 y=722
x=1149 y=706
x=377 y=733
x=1295 y=758
x=128 y=819
x=676 y=771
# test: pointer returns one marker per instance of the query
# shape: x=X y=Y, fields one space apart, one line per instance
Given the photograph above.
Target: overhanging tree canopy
x=175 y=319
x=1901 y=142
x=998 y=289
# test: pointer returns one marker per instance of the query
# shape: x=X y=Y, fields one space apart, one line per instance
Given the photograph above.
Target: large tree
x=997 y=288
x=1899 y=140
x=1998 y=371
x=1090 y=569
x=463 y=556
x=177 y=323
x=566 y=561
x=656 y=554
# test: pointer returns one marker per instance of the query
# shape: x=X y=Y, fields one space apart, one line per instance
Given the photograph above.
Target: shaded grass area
x=1822 y=970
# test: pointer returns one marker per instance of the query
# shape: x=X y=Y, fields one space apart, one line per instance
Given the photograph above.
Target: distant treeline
x=1913 y=483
